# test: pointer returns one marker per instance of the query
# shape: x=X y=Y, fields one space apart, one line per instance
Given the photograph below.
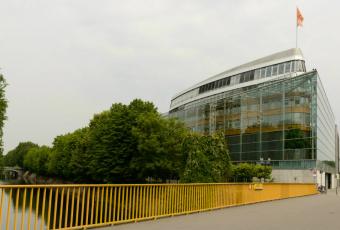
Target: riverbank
x=33 y=178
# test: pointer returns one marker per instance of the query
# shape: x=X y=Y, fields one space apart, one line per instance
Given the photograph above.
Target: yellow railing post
x=43 y=210
x=99 y=205
x=16 y=208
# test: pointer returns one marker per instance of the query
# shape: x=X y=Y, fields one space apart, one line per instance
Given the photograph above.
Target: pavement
x=316 y=212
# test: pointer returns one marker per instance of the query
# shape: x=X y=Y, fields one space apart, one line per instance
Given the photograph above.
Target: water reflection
x=53 y=206
x=19 y=215
x=39 y=207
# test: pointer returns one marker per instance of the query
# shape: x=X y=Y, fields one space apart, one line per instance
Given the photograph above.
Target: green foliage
x=295 y=139
x=128 y=144
x=131 y=142
x=36 y=159
x=112 y=144
x=1 y=161
x=330 y=163
x=263 y=171
x=3 y=107
x=16 y=156
x=206 y=159
x=245 y=172
x=79 y=161
x=68 y=156
x=159 y=144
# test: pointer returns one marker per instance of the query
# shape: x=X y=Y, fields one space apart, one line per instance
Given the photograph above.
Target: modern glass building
x=272 y=111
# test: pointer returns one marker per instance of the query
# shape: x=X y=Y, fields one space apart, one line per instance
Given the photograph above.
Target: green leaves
x=159 y=143
x=245 y=172
x=128 y=144
x=205 y=159
x=68 y=157
x=36 y=159
x=131 y=142
x=3 y=108
x=16 y=156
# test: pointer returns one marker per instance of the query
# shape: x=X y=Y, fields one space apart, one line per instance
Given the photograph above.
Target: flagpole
x=296 y=37
x=296 y=33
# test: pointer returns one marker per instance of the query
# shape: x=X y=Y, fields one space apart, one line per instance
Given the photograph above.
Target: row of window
x=269 y=71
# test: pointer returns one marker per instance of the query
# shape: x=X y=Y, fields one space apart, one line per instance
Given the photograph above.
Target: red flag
x=299 y=18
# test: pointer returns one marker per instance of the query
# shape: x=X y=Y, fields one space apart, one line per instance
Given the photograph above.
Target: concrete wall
x=293 y=176
x=301 y=176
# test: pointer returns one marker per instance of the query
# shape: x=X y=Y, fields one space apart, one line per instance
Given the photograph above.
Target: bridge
x=75 y=206
x=304 y=213
x=15 y=171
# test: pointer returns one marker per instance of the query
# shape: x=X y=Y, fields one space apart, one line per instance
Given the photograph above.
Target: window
x=242 y=78
x=251 y=75
x=303 y=66
x=263 y=72
x=274 y=70
x=299 y=67
x=219 y=83
x=246 y=76
x=281 y=68
x=287 y=67
x=215 y=84
x=257 y=74
x=293 y=67
x=235 y=80
x=268 y=71
x=224 y=82
x=228 y=80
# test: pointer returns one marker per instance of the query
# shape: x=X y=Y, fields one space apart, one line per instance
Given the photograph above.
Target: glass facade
x=265 y=72
x=325 y=126
x=287 y=121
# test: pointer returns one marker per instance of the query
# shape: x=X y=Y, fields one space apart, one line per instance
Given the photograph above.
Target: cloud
x=68 y=59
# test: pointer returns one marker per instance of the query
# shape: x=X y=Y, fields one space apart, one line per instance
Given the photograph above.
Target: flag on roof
x=299 y=17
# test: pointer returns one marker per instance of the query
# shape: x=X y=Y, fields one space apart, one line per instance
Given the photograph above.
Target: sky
x=65 y=60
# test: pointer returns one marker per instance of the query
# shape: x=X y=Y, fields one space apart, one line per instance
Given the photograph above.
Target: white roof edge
x=249 y=83
x=283 y=56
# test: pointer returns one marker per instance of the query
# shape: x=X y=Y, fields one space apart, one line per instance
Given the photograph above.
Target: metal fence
x=85 y=206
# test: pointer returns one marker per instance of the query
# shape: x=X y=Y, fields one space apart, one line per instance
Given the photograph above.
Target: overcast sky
x=65 y=60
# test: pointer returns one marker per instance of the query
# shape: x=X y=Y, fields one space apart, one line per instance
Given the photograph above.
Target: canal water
x=55 y=203
x=9 y=201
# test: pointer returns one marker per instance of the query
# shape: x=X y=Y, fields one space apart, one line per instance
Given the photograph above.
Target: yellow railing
x=84 y=206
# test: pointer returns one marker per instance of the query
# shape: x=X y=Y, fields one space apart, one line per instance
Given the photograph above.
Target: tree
x=263 y=171
x=16 y=156
x=80 y=155
x=68 y=155
x=206 y=159
x=3 y=107
x=159 y=142
x=112 y=144
x=1 y=161
x=295 y=139
x=130 y=143
x=245 y=172
x=36 y=160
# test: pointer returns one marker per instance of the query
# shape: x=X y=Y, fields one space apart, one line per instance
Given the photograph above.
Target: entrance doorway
x=328 y=181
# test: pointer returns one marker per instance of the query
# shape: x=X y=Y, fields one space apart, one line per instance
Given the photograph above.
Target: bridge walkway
x=316 y=212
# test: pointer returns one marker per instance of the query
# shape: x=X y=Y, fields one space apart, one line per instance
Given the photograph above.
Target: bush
x=206 y=159
x=16 y=156
x=245 y=172
x=36 y=160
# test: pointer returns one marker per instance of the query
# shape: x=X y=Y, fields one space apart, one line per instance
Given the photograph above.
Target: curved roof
x=283 y=56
